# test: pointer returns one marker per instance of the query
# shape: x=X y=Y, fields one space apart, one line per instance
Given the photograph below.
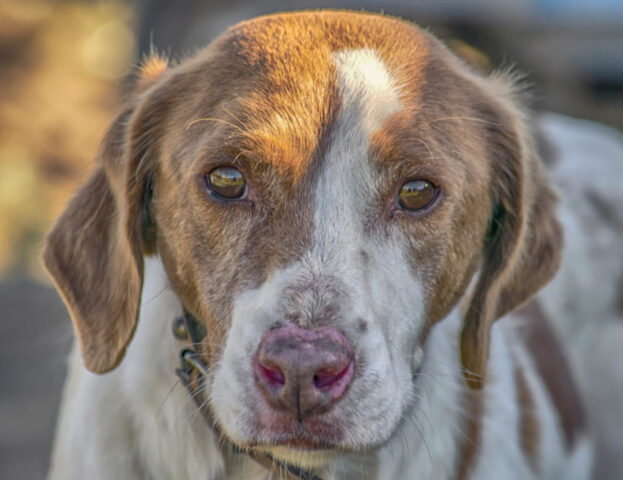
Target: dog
x=333 y=211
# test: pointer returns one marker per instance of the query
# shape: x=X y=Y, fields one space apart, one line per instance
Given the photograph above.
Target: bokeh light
x=61 y=67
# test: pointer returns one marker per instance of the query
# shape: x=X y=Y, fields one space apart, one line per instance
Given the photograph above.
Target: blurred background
x=64 y=65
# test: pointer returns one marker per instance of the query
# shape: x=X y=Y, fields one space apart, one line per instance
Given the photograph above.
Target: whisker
x=430 y=152
x=209 y=119
x=232 y=115
x=471 y=119
x=166 y=397
x=147 y=302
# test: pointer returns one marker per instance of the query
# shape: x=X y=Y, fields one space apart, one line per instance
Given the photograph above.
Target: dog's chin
x=302 y=456
x=298 y=448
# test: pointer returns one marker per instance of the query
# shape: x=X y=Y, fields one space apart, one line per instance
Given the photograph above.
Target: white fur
x=366 y=88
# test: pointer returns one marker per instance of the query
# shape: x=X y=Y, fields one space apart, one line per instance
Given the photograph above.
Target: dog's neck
x=429 y=438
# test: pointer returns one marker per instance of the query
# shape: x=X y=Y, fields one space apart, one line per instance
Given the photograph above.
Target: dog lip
x=297 y=441
x=273 y=427
x=304 y=442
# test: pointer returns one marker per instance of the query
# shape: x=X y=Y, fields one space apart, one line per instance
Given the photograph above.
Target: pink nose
x=304 y=371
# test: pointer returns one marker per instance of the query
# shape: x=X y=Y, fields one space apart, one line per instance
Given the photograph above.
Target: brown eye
x=227 y=182
x=417 y=194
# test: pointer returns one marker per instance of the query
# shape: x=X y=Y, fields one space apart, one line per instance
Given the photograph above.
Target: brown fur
x=150 y=69
x=529 y=427
x=552 y=365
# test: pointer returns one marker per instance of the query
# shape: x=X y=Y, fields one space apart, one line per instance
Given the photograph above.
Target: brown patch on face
x=472 y=430
x=529 y=427
x=292 y=100
x=552 y=365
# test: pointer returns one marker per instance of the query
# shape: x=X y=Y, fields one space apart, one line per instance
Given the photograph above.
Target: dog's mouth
x=304 y=442
x=316 y=432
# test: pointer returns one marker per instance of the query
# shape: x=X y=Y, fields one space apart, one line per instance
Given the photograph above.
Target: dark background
x=62 y=69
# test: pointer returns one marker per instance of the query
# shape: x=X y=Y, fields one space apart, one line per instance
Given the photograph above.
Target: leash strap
x=193 y=371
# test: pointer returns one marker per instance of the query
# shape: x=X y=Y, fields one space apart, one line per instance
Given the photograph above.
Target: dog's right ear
x=95 y=250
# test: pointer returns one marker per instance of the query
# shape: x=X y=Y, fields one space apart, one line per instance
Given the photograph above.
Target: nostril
x=326 y=378
x=303 y=371
x=273 y=374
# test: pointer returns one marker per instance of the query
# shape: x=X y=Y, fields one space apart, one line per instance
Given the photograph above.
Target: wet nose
x=304 y=371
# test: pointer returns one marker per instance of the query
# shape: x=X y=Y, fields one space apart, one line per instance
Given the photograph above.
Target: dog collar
x=193 y=371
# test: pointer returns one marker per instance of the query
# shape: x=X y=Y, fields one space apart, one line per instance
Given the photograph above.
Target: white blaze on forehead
x=366 y=86
x=368 y=96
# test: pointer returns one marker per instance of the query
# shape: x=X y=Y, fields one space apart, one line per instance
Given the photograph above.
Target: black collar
x=193 y=370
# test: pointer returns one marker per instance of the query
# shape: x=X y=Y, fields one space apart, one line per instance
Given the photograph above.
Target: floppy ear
x=523 y=245
x=95 y=250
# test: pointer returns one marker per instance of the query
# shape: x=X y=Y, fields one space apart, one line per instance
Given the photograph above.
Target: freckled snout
x=304 y=371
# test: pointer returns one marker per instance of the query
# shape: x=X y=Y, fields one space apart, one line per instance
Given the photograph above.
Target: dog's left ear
x=95 y=250
x=523 y=246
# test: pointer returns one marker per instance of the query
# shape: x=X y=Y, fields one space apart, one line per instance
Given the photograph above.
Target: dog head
x=322 y=188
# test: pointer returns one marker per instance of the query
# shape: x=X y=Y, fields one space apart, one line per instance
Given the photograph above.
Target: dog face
x=328 y=183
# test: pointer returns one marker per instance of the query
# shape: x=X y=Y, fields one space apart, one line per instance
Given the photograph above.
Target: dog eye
x=226 y=182
x=417 y=194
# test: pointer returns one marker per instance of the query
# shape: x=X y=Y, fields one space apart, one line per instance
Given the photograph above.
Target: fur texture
x=327 y=115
